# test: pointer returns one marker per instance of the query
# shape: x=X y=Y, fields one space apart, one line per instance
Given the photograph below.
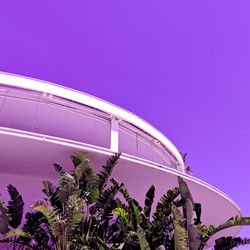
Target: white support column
x=114 y=138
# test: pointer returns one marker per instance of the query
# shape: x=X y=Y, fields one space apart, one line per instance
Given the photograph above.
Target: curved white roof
x=86 y=99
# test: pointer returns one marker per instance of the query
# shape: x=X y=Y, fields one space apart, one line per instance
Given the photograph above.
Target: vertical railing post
x=114 y=138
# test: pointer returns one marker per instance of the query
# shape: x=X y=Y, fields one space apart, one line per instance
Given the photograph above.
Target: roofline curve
x=89 y=100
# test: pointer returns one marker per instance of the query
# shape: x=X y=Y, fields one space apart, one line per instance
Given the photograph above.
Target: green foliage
x=101 y=244
x=9 y=239
x=144 y=245
x=4 y=218
x=88 y=180
x=74 y=210
x=163 y=208
x=233 y=221
x=107 y=197
x=162 y=232
x=50 y=214
x=65 y=181
x=208 y=232
x=10 y=243
x=123 y=214
x=15 y=232
x=94 y=211
x=134 y=207
x=181 y=235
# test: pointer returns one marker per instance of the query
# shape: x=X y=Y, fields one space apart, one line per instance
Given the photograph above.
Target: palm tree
x=74 y=214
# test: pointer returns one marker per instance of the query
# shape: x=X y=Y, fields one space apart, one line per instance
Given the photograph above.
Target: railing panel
x=17 y=113
x=36 y=112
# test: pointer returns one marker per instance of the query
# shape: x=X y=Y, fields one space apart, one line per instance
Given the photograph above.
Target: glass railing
x=50 y=115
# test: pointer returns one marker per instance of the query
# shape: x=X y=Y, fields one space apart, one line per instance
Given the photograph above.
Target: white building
x=43 y=123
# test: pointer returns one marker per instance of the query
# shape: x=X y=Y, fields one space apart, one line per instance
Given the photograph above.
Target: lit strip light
x=67 y=93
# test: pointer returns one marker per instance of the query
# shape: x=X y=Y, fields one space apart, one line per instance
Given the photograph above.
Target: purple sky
x=183 y=66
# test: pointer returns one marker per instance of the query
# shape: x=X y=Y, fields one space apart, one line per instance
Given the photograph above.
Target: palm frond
x=66 y=182
x=106 y=204
x=163 y=207
x=15 y=232
x=80 y=163
x=16 y=243
x=134 y=208
x=88 y=183
x=78 y=158
x=74 y=210
x=100 y=244
x=149 y=201
x=124 y=216
x=15 y=207
x=37 y=226
x=49 y=213
x=122 y=213
x=52 y=193
x=59 y=169
x=106 y=171
x=227 y=243
x=162 y=232
x=233 y=221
